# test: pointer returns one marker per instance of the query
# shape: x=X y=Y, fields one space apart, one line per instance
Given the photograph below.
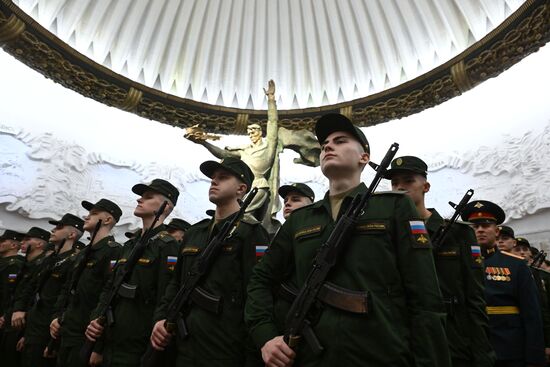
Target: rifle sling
x=333 y=295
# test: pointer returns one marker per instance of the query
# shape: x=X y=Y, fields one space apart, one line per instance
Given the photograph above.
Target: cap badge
x=478 y=205
x=399 y=161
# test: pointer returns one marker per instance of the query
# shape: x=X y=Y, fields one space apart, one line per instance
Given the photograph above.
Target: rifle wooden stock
x=297 y=322
x=190 y=291
x=120 y=276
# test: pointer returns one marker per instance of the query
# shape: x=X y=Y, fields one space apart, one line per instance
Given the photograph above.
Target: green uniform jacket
x=83 y=300
x=50 y=280
x=405 y=323
x=461 y=278
x=24 y=292
x=128 y=337
x=541 y=278
x=9 y=278
x=218 y=339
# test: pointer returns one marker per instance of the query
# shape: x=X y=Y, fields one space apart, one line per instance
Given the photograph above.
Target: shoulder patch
x=512 y=255
x=419 y=234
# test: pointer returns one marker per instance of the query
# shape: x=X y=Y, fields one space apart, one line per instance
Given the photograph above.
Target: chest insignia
x=308 y=231
x=498 y=274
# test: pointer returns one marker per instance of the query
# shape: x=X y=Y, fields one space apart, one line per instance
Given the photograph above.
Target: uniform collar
x=102 y=243
x=351 y=194
x=487 y=253
x=434 y=221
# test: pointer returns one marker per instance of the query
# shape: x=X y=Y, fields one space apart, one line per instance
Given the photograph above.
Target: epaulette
x=249 y=219
x=164 y=236
x=303 y=207
x=113 y=244
x=512 y=255
x=389 y=193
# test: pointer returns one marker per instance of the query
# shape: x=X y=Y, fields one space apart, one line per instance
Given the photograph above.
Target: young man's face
x=60 y=233
x=414 y=183
x=294 y=200
x=505 y=243
x=7 y=246
x=30 y=243
x=522 y=251
x=148 y=204
x=254 y=133
x=486 y=234
x=341 y=155
x=224 y=187
x=90 y=221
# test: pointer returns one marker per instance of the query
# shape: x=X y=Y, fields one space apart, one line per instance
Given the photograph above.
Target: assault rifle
x=119 y=278
x=538 y=259
x=297 y=321
x=190 y=291
x=53 y=344
x=439 y=236
x=50 y=265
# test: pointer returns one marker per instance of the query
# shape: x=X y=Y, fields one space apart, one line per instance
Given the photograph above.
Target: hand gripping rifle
x=121 y=275
x=439 y=236
x=53 y=344
x=190 y=291
x=297 y=322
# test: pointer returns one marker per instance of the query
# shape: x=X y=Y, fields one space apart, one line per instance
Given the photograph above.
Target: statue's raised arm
x=198 y=136
x=272 y=132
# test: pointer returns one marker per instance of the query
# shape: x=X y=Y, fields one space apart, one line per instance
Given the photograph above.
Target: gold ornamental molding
x=521 y=34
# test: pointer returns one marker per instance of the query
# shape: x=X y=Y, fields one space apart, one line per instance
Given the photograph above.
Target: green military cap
x=506 y=231
x=299 y=187
x=36 y=232
x=235 y=166
x=178 y=223
x=69 y=220
x=407 y=163
x=482 y=211
x=332 y=122
x=161 y=186
x=11 y=235
x=104 y=205
x=520 y=241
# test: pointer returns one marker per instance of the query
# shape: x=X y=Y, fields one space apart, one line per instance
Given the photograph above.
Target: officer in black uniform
x=513 y=305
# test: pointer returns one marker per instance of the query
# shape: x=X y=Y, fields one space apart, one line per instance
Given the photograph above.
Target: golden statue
x=262 y=156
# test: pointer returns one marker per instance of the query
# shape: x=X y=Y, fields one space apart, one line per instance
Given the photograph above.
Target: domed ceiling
x=223 y=52
x=217 y=55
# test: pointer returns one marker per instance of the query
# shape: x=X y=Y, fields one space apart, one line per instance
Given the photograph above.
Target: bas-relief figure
x=262 y=156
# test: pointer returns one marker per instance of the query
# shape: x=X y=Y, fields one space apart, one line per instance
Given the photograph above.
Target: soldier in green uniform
x=177 y=228
x=295 y=196
x=505 y=240
x=90 y=271
x=44 y=289
x=218 y=339
x=127 y=338
x=523 y=249
x=36 y=242
x=458 y=264
x=513 y=305
x=10 y=243
x=389 y=257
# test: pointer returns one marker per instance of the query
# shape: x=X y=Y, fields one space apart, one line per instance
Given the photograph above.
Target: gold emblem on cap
x=399 y=161
x=478 y=205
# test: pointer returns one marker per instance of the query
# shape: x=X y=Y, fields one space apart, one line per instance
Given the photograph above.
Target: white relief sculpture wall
x=58 y=148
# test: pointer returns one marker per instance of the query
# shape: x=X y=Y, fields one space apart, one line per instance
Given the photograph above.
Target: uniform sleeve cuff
x=263 y=333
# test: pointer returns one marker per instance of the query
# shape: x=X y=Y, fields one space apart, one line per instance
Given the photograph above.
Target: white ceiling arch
x=222 y=52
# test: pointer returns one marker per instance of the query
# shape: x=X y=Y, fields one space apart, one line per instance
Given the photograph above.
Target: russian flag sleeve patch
x=419 y=234
x=171 y=262
x=260 y=250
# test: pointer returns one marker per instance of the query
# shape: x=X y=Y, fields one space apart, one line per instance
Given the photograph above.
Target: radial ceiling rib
x=223 y=52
